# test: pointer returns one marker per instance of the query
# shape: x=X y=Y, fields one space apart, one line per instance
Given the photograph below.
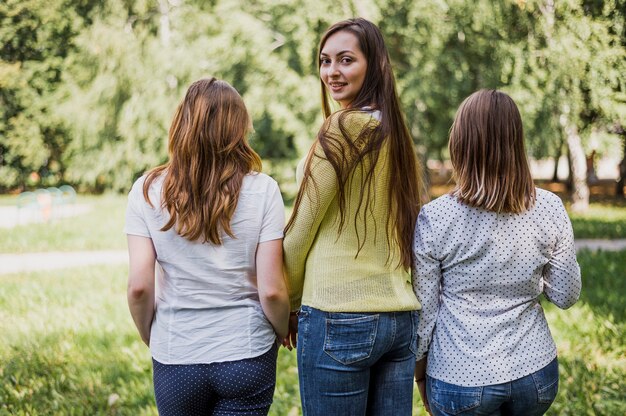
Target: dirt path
x=53 y=260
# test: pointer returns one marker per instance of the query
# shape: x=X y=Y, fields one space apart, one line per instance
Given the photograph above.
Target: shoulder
x=258 y=182
x=547 y=196
x=136 y=194
x=548 y=200
x=137 y=187
x=550 y=205
x=444 y=206
x=353 y=122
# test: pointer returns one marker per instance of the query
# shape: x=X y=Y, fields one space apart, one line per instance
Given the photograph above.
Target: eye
x=346 y=60
x=324 y=61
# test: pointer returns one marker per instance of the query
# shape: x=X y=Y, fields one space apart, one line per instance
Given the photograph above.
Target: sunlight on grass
x=601 y=221
x=99 y=229
x=69 y=346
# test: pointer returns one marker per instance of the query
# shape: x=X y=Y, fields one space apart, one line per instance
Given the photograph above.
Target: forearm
x=561 y=276
x=420 y=369
x=141 y=305
x=276 y=310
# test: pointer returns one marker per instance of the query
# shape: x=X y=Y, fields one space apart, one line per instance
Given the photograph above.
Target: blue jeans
x=355 y=364
x=528 y=396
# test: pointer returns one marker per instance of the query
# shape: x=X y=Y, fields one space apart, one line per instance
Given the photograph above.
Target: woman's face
x=342 y=67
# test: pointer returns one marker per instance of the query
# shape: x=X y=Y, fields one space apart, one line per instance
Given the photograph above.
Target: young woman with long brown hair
x=348 y=242
x=484 y=254
x=214 y=225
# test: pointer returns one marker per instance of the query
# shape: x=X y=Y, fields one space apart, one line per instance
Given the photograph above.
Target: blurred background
x=87 y=92
x=88 y=87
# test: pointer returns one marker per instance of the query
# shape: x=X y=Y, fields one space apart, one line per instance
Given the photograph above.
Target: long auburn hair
x=488 y=155
x=209 y=156
x=378 y=93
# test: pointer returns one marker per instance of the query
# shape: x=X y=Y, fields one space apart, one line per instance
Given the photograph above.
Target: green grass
x=591 y=339
x=99 y=229
x=601 y=221
x=69 y=345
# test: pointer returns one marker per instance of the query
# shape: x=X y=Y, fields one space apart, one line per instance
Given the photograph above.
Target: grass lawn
x=603 y=220
x=69 y=346
x=100 y=228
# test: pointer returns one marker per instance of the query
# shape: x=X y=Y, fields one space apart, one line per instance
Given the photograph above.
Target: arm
x=420 y=379
x=313 y=206
x=426 y=281
x=140 y=291
x=272 y=287
x=561 y=276
x=317 y=195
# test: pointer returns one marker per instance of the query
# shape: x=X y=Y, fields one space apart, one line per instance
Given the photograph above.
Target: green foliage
x=35 y=39
x=88 y=88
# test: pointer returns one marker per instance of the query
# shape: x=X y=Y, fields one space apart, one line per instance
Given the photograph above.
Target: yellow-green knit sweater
x=320 y=263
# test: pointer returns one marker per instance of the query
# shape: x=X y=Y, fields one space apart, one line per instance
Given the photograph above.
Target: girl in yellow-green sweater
x=348 y=243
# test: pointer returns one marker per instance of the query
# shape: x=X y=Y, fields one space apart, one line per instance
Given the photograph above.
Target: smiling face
x=342 y=67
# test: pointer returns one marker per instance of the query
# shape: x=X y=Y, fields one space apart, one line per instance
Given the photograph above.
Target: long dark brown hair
x=208 y=158
x=378 y=93
x=488 y=155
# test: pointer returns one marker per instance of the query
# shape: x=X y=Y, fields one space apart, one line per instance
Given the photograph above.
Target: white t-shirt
x=207 y=300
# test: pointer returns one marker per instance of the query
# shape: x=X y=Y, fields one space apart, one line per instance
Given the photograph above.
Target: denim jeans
x=528 y=396
x=355 y=364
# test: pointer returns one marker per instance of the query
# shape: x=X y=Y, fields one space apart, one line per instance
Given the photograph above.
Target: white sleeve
x=273 y=222
x=135 y=220
x=426 y=281
x=561 y=276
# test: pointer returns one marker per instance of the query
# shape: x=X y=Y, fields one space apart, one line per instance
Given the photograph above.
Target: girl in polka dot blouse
x=484 y=254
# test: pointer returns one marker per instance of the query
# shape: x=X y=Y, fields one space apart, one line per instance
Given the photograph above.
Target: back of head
x=209 y=156
x=488 y=154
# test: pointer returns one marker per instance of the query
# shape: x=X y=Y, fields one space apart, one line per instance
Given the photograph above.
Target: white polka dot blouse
x=479 y=276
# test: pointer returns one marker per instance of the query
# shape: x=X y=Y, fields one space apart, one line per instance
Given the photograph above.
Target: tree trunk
x=557 y=157
x=621 y=180
x=578 y=163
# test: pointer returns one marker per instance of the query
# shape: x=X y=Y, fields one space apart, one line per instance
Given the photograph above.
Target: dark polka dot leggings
x=244 y=387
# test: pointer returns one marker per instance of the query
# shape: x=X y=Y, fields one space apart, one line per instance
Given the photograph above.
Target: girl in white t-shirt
x=214 y=226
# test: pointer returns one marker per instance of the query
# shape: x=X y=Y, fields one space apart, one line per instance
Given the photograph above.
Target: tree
x=565 y=71
x=35 y=38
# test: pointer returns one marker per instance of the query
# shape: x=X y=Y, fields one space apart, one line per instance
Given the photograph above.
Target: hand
x=290 y=340
x=421 y=388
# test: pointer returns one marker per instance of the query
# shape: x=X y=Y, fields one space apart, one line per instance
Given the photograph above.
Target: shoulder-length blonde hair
x=209 y=156
x=488 y=155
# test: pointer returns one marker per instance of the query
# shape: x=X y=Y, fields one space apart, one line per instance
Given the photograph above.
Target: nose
x=333 y=69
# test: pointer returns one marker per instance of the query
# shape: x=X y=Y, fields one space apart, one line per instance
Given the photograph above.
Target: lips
x=336 y=86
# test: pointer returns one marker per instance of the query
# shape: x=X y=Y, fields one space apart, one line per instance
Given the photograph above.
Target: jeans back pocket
x=547 y=382
x=350 y=340
x=452 y=399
